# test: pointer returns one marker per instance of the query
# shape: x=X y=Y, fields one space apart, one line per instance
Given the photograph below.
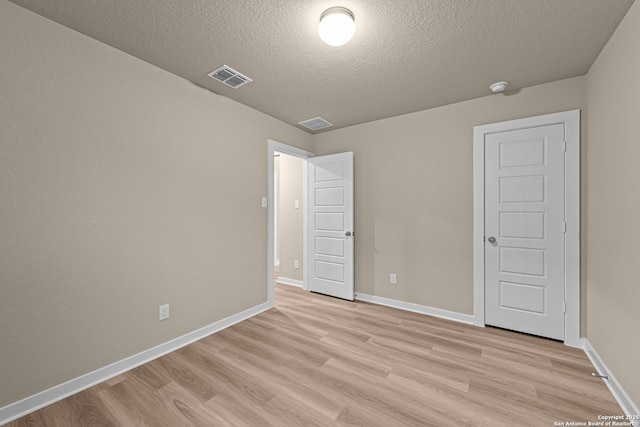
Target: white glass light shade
x=337 y=26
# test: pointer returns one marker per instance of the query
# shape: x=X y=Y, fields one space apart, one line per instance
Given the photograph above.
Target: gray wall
x=123 y=187
x=612 y=204
x=414 y=192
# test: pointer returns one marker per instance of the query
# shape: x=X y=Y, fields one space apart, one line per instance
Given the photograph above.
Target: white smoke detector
x=498 y=87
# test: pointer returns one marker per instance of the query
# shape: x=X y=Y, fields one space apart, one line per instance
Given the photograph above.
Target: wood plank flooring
x=319 y=361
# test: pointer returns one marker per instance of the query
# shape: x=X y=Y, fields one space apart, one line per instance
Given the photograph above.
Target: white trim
x=571 y=120
x=272 y=147
x=572 y=240
x=305 y=226
x=276 y=203
x=37 y=401
x=416 y=308
x=290 y=282
x=612 y=384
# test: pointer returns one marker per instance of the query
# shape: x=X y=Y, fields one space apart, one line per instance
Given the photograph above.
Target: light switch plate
x=163 y=312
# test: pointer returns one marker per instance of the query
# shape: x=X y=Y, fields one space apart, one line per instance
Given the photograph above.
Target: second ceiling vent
x=229 y=76
x=316 y=123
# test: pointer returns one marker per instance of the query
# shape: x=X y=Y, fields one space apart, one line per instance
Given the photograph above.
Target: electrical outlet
x=163 y=312
x=296 y=263
x=393 y=279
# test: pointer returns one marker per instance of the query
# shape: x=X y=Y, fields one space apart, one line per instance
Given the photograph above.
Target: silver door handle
x=348 y=233
x=491 y=240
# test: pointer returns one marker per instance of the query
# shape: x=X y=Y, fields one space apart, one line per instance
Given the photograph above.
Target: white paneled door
x=525 y=230
x=330 y=222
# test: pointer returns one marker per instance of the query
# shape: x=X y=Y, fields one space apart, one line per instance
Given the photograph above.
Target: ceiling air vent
x=316 y=123
x=229 y=76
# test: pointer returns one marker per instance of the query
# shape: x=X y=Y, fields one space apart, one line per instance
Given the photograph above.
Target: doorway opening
x=327 y=213
x=287 y=221
x=289 y=212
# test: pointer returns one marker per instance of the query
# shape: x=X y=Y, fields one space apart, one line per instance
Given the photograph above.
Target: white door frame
x=272 y=147
x=571 y=121
x=276 y=180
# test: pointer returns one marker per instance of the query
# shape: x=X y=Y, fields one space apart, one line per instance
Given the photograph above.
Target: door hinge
x=564 y=307
x=564 y=146
x=564 y=226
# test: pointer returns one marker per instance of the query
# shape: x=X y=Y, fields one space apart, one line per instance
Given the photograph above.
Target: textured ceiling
x=406 y=56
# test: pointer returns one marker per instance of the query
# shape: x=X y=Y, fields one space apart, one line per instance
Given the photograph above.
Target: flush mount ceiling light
x=498 y=87
x=337 y=26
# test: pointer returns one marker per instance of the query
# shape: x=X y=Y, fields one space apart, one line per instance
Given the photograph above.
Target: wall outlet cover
x=163 y=312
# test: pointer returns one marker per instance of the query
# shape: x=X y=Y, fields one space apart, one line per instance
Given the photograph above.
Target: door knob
x=348 y=233
x=492 y=240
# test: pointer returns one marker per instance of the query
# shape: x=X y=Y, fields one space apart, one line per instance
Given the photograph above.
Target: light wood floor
x=318 y=361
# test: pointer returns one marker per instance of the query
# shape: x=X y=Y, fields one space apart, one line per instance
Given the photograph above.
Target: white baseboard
x=612 y=384
x=416 y=308
x=290 y=282
x=37 y=401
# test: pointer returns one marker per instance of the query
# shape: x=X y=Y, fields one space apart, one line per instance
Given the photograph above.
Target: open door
x=330 y=225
